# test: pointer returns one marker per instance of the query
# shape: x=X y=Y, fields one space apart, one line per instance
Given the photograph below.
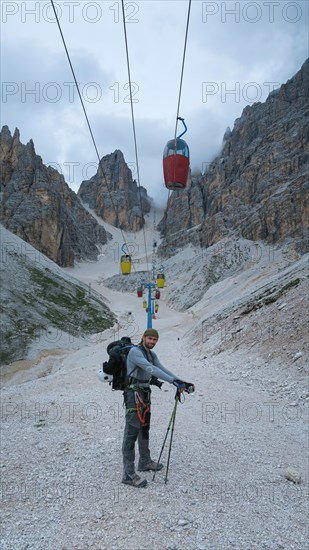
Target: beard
x=149 y=345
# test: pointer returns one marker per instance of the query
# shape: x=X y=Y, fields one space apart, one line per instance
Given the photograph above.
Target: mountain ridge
x=38 y=206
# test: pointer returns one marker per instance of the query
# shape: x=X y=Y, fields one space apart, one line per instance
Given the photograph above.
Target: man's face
x=150 y=341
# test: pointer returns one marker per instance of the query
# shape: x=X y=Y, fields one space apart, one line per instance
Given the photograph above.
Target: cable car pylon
x=153 y=294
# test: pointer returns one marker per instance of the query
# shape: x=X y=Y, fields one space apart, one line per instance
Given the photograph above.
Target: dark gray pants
x=133 y=431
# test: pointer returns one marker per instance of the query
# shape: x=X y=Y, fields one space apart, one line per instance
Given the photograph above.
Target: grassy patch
x=5 y=357
x=266 y=299
x=48 y=300
x=68 y=307
x=291 y=284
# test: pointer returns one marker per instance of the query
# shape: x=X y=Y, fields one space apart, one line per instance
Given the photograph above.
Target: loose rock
x=292 y=475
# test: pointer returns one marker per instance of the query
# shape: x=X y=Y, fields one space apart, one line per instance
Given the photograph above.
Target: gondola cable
x=134 y=130
x=182 y=67
x=180 y=90
x=87 y=119
x=132 y=113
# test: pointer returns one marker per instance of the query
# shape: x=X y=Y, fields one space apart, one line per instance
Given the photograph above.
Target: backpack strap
x=146 y=354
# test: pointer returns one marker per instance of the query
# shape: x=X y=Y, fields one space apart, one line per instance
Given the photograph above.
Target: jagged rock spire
x=114 y=195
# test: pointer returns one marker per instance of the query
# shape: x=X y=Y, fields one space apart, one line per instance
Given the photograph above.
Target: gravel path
x=238 y=474
x=233 y=445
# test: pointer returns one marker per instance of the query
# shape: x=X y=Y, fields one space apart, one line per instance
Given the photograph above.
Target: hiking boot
x=135 y=481
x=151 y=466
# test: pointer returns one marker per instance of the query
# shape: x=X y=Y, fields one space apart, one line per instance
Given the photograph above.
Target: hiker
x=143 y=366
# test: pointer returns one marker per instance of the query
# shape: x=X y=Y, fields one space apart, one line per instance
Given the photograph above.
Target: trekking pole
x=168 y=429
x=177 y=398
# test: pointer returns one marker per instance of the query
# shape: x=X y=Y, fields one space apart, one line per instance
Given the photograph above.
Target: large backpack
x=116 y=366
x=117 y=362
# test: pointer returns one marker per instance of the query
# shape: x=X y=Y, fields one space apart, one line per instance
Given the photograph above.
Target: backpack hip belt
x=138 y=383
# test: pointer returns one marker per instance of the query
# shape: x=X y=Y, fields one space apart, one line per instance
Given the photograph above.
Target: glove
x=184 y=386
x=156 y=382
x=190 y=388
x=180 y=385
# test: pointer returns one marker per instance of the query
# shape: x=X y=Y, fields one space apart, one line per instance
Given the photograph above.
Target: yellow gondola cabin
x=126 y=264
x=160 y=280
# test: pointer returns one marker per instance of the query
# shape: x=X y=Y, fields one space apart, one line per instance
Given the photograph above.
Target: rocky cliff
x=258 y=187
x=38 y=206
x=114 y=195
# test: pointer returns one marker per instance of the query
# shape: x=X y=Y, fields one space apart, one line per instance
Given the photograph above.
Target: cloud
x=236 y=53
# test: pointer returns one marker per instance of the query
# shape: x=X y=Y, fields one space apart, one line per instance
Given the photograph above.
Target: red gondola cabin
x=176 y=164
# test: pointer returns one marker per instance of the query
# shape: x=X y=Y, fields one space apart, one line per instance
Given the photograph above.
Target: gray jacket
x=138 y=366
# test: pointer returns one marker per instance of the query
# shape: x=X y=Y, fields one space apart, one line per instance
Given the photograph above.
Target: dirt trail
x=234 y=443
x=238 y=475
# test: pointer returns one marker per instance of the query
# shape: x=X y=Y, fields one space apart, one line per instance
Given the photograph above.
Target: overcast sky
x=237 y=52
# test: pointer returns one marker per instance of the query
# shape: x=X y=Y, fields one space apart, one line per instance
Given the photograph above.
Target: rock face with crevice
x=114 y=195
x=258 y=187
x=38 y=205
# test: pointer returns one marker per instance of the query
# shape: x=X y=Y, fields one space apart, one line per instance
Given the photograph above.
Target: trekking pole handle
x=190 y=389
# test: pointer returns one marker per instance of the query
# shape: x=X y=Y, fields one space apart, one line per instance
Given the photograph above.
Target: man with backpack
x=143 y=369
